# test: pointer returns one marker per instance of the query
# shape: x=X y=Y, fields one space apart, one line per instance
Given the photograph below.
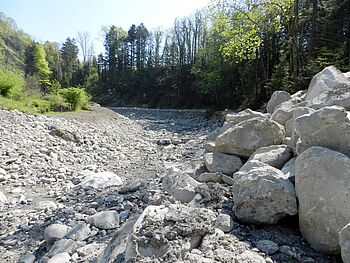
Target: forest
x=232 y=54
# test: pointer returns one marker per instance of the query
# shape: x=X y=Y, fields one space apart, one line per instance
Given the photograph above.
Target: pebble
x=267 y=246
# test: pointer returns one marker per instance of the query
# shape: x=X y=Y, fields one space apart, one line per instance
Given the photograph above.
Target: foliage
x=77 y=98
x=11 y=84
x=41 y=65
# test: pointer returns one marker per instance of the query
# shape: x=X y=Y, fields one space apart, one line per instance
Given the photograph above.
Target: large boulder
x=180 y=185
x=328 y=127
x=222 y=163
x=274 y=155
x=322 y=184
x=339 y=95
x=167 y=232
x=276 y=99
x=284 y=111
x=324 y=81
x=262 y=194
x=344 y=242
x=248 y=136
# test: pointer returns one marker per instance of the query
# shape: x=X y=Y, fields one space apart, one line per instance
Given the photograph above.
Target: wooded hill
x=231 y=54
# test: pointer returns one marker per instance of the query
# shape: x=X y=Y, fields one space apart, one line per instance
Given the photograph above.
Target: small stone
x=105 y=220
x=27 y=258
x=60 y=258
x=286 y=250
x=267 y=246
x=3 y=200
x=80 y=232
x=224 y=222
x=46 y=205
x=54 y=232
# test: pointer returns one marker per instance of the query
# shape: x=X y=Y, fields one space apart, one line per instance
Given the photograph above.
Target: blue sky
x=55 y=20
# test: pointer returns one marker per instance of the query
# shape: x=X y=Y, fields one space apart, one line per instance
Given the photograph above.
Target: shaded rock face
x=344 y=242
x=248 y=136
x=322 y=185
x=328 y=127
x=222 y=163
x=169 y=231
x=274 y=155
x=180 y=185
x=276 y=99
x=324 y=81
x=262 y=194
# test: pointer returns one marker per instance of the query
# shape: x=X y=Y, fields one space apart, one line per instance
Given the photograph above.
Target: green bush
x=77 y=98
x=11 y=84
x=57 y=101
x=42 y=106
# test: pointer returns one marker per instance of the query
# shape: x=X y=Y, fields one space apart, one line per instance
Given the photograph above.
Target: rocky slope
x=153 y=187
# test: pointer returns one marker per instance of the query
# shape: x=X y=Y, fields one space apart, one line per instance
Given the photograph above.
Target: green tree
x=70 y=62
x=41 y=66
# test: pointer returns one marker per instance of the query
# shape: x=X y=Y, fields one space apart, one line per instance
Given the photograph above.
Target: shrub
x=42 y=106
x=11 y=84
x=57 y=101
x=77 y=98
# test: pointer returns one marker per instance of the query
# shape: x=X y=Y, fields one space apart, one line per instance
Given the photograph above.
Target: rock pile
x=236 y=200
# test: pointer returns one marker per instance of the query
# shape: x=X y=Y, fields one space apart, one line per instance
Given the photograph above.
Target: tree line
x=234 y=53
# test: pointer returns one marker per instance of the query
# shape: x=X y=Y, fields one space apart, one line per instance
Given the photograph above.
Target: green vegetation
x=234 y=53
x=31 y=73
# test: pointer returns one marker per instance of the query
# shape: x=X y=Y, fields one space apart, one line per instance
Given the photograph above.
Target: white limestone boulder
x=274 y=155
x=322 y=181
x=168 y=231
x=248 y=136
x=100 y=180
x=180 y=185
x=324 y=81
x=328 y=127
x=222 y=163
x=276 y=99
x=262 y=194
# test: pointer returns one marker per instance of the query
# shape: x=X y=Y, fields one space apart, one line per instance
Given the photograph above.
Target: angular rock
x=210 y=177
x=222 y=163
x=284 y=111
x=168 y=231
x=274 y=155
x=338 y=96
x=276 y=99
x=328 y=127
x=54 y=232
x=267 y=246
x=224 y=222
x=64 y=134
x=322 y=185
x=344 y=242
x=248 y=136
x=3 y=200
x=63 y=257
x=180 y=185
x=105 y=220
x=262 y=194
x=80 y=232
x=289 y=169
x=324 y=81
x=46 y=205
x=27 y=258
x=101 y=180
x=60 y=246
x=243 y=116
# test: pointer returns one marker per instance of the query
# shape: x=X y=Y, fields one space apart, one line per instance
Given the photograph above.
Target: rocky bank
x=172 y=186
